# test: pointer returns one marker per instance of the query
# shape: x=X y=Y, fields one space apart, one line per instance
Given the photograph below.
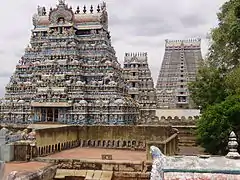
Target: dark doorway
x=50 y=115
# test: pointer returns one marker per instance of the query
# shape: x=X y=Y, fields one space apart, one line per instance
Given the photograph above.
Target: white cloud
x=134 y=25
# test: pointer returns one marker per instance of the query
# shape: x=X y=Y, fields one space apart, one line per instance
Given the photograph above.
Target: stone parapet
x=196 y=176
x=175 y=121
x=168 y=147
x=52 y=140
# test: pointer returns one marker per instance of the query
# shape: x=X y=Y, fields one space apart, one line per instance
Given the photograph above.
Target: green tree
x=232 y=81
x=224 y=51
x=209 y=87
x=217 y=122
x=217 y=86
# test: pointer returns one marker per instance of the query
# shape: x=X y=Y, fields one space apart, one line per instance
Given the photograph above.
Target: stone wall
x=124 y=132
x=51 y=140
x=14 y=127
x=7 y=152
x=22 y=151
x=175 y=120
x=121 y=169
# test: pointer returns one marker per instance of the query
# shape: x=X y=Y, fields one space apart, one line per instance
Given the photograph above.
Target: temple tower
x=140 y=84
x=179 y=67
x=69 y=72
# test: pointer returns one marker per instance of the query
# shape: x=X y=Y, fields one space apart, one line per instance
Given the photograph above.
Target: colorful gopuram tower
x=179 y=67
x=69 y=73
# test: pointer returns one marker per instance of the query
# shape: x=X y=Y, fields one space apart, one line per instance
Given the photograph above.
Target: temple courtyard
x=96 y=153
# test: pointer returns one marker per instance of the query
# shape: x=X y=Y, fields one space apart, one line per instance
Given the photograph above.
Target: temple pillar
x=53 y=114
x=40 y=114
x=46 y=115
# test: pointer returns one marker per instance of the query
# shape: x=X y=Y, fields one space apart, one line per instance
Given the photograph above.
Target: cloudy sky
x=135 y=26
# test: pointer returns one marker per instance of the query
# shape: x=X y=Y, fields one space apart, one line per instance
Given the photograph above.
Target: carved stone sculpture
x=158 y=163
x=233 y=147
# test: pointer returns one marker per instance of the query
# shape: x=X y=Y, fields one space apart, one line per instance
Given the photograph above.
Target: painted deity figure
x=158 y=163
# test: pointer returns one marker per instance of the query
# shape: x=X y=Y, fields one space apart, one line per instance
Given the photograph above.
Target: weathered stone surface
x=131 y=176
x=203 y=164
x=7 y=152
x=107 y=175
x=47 y=173
x=200 y=176
x=58 y=135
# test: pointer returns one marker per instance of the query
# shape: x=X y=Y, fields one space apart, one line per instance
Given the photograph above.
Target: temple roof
x=63 y=14
x=178 y=43
x=139 y=57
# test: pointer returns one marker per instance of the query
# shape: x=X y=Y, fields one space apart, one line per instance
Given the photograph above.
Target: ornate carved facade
x=69 y=72
x=140 y=84
x=179 y=67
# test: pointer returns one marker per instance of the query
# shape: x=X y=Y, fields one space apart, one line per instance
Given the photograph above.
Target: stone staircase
x=186 y=135
x=83 y=174
x=188 y=141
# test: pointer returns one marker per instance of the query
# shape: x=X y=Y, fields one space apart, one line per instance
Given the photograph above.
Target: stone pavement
x=96 y=153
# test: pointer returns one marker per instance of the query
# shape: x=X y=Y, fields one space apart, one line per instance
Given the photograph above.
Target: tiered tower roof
x=140 y=83
x=179 y=66
x=69 y=72
x=191 y=43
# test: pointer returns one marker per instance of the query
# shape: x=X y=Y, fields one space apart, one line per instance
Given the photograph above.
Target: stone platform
x=87 y=174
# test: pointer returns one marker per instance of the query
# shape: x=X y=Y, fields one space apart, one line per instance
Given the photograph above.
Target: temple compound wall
x=51 y=140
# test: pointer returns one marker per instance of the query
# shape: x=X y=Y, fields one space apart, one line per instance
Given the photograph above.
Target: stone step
x=187 y=145
x=87 y=174
x=106 y=175
x=97 y=175
x=90 y=174
x=187 y=141
x=184 y=150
